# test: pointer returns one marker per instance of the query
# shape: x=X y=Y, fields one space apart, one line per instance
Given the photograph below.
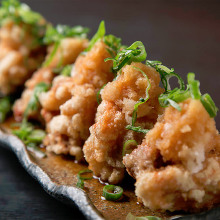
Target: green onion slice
x=166 y=74
x=52 y=54
x=193 y=86
x=80 y=178
x=113 y=43
x=5 y=107
x=34 y=100
x=132 y=217
x=137 y=129
x=209 y=105
x=98 y=95
x=99 y=34
x=129 y=146
x=112 y=192
x=83 y=172
x=36 y=136
x=141 y=101
x=135 y=53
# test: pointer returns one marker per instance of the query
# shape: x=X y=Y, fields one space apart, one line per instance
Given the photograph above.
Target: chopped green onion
x=52 y=54
x=55 y=35
x=64 y=71
x=30 y=136
x=98 y=95
x=166 y=74
x=132 y=217
x=36 y=136
x=135 y=53
x=129 y=146
x=21 y=13
x=137 y=129
x=80 y=179
x=194 y=86
x=99 y=34
x=112 y=192
x=80 y=184
x=34 y=101
x=83 y=172
x=141 y=101
x=209 y=105
x=5 y=107
x=113 y=43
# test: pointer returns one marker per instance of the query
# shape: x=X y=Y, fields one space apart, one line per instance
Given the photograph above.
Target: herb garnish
x=34 y=100
x=27 y=133
x=65 y=71
x=98 y=35
x=54 y=35
x=80 y=179
x=5 y=107
x=173 y=97
x=141 y=101
x=21 y=13
x=129 y=146
x=113 y=43
x=112 y=192
x=98 y=94
x=135 y=53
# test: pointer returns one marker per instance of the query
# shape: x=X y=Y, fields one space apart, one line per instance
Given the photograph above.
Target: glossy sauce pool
x=63 y=171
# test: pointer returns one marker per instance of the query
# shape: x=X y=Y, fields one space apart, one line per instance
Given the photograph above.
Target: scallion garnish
x=135 y=53
x=129 y=146
x=80 y=178
x=20 y=13
x=98 y=95
x=55 y=35
x=113 y=43
x=166 y=74
x=5 y=107
x=65 y=71
x=141 y=101
x=209 y=105
x=34 y=100
x=112 y=192
x=98 y=35
x=132 y=217
x=177 y=95
x=30 y=136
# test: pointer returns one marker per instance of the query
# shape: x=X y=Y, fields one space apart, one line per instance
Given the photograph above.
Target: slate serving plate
x=56 y=176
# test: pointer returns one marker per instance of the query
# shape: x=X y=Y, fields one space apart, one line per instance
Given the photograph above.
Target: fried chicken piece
x=20 y=55
x=177 y=167
x=67 y=53
x=103 y=149
x=68 y=131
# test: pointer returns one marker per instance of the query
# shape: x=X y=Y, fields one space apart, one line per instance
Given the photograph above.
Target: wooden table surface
x=182 y=34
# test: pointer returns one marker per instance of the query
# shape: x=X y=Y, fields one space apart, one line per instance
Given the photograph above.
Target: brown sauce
x=63 y=171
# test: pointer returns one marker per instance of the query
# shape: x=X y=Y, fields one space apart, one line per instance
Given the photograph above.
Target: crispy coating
x=103 y=149
x=19 y=56
x=68 y=130
x=67 y=53
x=177 y=165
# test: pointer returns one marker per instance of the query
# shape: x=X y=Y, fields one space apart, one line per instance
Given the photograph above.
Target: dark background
x=182 y=34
